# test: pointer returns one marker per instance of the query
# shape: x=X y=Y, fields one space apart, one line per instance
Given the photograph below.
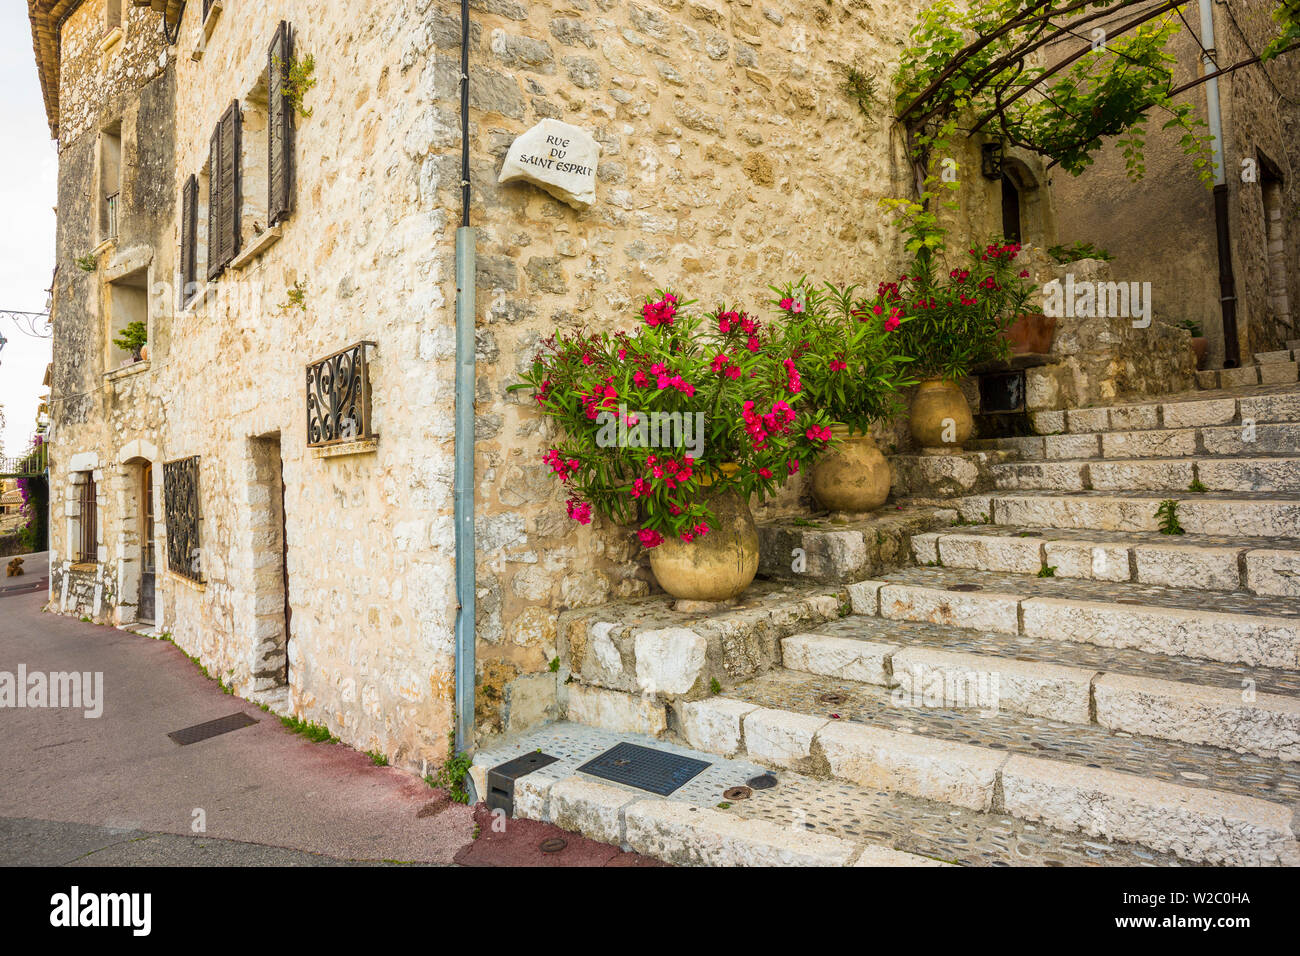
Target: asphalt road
x=116 y=790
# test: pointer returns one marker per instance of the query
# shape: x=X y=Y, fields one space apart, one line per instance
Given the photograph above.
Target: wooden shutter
x=228 y=213
x=189 y=238
x=214 y=201
x=279 y=116
x=224 y=194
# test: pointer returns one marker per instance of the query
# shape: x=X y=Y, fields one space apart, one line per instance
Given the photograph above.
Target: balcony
x=338 y=402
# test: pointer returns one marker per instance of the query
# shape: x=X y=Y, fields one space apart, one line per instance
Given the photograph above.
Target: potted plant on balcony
x=134 y=339
x=670 y=430
x=958 y=317
x=852 y=370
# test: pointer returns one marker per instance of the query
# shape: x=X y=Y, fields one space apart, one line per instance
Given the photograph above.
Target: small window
x=110 y=181
x=128 y=302
x=112 y=14
x=84 y=537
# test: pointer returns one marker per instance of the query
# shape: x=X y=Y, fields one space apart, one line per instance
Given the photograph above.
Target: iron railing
x=338 y=397
x=111 y=216
x=29 y=464
x=182 y=508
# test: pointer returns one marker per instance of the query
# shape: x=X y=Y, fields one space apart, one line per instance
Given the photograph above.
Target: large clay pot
x=716 y=567
x=1200 y=345
x=853 y=477
x=940 y=420
x=1031 y=334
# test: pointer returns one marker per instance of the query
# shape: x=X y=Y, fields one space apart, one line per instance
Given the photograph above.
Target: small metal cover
x=645 y=768
x=212 y=728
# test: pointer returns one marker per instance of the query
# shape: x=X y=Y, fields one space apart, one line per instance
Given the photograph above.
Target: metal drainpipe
x=463 y=492
x=1227 y=282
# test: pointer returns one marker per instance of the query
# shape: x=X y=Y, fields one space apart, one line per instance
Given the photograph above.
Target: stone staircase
x=1055 y=678
x=1271 y=368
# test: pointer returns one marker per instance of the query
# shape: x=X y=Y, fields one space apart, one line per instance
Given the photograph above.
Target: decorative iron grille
x=112 y=204
x=338 y=397
x=88 y=517
x=181 y=504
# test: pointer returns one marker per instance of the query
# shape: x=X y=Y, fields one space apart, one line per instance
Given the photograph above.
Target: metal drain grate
x=213 y=728
x=501 y=779
x=656 y=771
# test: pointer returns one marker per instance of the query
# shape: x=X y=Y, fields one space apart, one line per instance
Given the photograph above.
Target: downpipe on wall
x=1223 y=237
x=463 y=487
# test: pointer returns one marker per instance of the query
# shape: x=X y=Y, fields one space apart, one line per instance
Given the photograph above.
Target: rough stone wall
x=370 y=569
x=732 y=159
x=102 y=419
x=1161 y=228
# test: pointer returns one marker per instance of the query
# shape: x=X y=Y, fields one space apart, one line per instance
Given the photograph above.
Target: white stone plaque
x=559 y=158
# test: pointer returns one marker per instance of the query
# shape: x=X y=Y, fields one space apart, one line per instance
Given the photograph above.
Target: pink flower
x=891 y=323
x=765 y=472
x=792 y=466
x=649 y=538
x=580 y=511
x=818 y=433
x=838 y=366
x=787 y=303
x=639 y=488
x=586 y=359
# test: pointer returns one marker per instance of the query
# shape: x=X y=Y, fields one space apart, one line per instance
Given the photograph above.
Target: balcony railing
x=338 y=397
x=29 y=464
x=111 y=216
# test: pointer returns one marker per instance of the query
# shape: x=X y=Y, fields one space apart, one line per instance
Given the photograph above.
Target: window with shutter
x=189 y=239
x=223 y=192
x=279 y=126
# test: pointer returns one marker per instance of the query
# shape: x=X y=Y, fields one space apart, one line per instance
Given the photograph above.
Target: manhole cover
x=737 y=793
x=213 y=728
x=553 y=844
x=764 y=781
x=963 y=587
x=656 y=771
x=831 y=698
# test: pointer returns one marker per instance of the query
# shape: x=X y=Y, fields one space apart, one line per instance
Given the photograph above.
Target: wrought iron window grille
x=338 y=397
x=181 y=505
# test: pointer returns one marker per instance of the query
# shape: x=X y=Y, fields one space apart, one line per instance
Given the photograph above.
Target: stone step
x=1249 y=438
x=1256 y=514
x=1266 y=566
x=1271 y=373
x=1199 y=802
x=1232 y=628
x=1191 y=411
x=802 y=820
x=1266 y=358
x=1270 y=474
x=836 y=549
x=948 y=667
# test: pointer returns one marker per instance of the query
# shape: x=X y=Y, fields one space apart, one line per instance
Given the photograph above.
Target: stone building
x=300 y=543
x=1161 y=229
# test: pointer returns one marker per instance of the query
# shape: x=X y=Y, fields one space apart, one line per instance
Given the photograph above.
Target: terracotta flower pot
x=940 y=419
x=1200 y=345
x=853 y=477
x=718 y=566
x=1031 y=334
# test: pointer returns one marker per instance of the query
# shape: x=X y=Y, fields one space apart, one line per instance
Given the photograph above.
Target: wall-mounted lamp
x=991 y=160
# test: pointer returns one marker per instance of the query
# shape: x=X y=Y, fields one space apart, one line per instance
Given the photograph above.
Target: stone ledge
x=841 y=551
x=644 y=646
x=126 y=371
x=346 y=448
x=259 y=245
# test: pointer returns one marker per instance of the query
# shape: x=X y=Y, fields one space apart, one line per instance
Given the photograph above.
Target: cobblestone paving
x=935 y=830
x=1267 y=680
x=1091 y=746
x=860 y=816
x=1082 y=589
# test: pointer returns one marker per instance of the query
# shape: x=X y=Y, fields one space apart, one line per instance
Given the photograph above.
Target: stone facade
x=731 y=158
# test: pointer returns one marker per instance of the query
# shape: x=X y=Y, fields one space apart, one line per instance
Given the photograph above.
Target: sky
x=28 y=193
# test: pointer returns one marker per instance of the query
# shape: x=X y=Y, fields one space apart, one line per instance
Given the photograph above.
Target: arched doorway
x=1023 y=204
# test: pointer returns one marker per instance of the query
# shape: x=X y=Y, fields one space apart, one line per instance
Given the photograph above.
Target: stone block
x=1196 y=824
x=714 y=725
x=843 y=657
x=955 y=773
x=616 y=711
x=984 y=609
x=1091 y=560
x=1167 y=443
x=991 y=684
x=669 y=661
x=991 y=552
x=689 y=836
x=1273 y=572
x=593 y=809
x=1071 y=446
x=779 y=736
x=1212 y=411
x=1188 y=566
